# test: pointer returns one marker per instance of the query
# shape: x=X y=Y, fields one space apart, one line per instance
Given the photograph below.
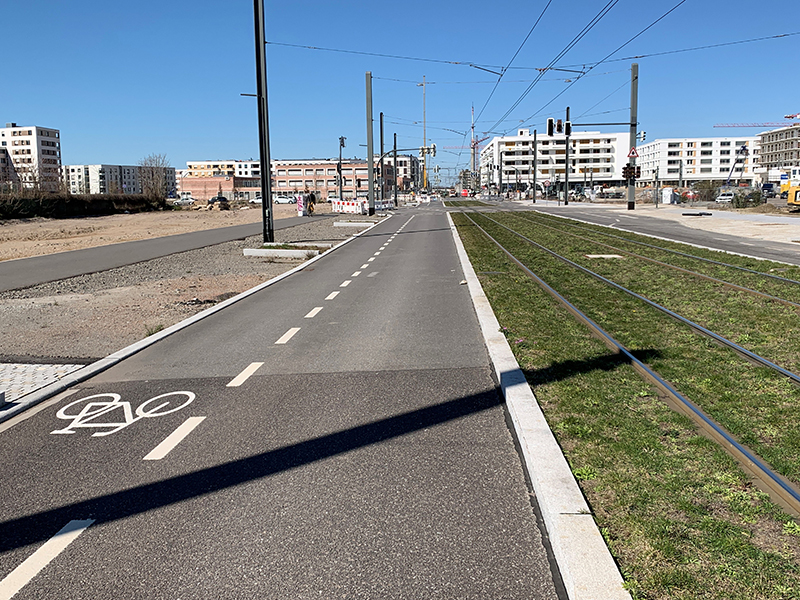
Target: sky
x=123 y=80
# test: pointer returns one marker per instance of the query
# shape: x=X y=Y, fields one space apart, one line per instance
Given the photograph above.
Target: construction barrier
x=358 y=207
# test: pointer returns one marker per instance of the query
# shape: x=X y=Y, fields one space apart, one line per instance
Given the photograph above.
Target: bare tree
x=153 y=176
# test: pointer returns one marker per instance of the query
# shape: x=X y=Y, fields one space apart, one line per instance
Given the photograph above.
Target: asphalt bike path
x=25 y=272
x=337 y=434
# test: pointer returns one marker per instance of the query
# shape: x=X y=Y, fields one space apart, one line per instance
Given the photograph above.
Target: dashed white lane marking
x=313 y=313
x=245 y=375
x=331 y=296
x=376 y=254
x=19 y=577
x=370 y=259
x=345 y=283
x=174 y=438
x=356 y=274
x=373 y=274
x=364 y=266
x=288 y=335
x=746 y=244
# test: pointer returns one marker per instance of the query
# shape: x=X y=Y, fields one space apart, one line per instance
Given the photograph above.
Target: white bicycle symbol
x=90 y=415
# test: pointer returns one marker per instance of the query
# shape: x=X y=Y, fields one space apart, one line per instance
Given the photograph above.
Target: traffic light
x=627 y=171
x=644 y=135
x=559 y=126
x=638 y=172
x=358 y=182
x=568 y=127
x=433 y=146
x=550 y=126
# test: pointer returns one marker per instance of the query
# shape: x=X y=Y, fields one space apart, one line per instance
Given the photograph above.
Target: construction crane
x=767 y=124
x=473 y=147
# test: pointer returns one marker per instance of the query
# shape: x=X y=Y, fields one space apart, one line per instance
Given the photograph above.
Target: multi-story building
x=110 y=179
x=780 y=149
x=595 y=158
x=241 y=180
x=33 y=157
x=685 y=161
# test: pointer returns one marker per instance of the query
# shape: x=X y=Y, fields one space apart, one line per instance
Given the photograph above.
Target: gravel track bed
x=90 y=316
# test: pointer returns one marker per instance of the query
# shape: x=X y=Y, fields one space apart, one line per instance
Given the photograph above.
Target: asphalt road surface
x=25 y=272
x=336 y=435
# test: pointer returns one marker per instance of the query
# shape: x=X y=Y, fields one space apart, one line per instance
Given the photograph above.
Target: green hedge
x=22 y=205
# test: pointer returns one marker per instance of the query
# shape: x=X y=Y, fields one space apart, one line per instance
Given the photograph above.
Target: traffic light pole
x=632 y=137
x=370 y=156
x=535 y=166
x=566 y=166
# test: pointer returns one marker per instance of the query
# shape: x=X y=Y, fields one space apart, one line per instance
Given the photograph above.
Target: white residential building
x=33 y=157
x=109 y=179
x=685 y=161
x=595 y=158
x=780 y=154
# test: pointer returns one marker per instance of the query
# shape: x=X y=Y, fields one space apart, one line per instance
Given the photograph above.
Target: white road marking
x=364 y=266
x=174 y=438
x=345 y=283
x=746 y=244
x=288 y=335
x=370 y=259
x=313 y=313
x=356 y=274
x=331 y=296
x=19 y=577
x=245 y=375
x=373 y=274
x=376 y=254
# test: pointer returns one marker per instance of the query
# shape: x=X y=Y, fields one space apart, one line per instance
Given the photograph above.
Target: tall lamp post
x=263 y=123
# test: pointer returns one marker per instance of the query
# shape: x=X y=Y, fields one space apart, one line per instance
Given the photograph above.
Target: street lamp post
x=341 y=145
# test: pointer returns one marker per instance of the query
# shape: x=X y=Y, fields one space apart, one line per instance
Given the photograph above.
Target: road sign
x=546 y=183
x=633 y=153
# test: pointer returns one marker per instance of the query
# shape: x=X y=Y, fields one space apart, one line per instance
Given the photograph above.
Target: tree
x=153 y=177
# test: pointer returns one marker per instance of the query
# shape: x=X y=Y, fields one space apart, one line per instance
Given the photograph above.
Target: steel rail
x=778 y=487
x=669 y=266
x=709 y=260
x=696 y=326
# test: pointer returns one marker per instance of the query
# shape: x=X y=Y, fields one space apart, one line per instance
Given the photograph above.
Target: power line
x=587 y=28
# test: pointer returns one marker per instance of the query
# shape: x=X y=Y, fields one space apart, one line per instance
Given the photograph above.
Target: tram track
x=781 y=488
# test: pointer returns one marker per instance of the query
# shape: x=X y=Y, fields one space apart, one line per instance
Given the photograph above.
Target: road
x=344 y=438
x=25 y=272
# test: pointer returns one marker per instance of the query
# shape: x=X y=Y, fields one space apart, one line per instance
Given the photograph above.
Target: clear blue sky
x=122 y=80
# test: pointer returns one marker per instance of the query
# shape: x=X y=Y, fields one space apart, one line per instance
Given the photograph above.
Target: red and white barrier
x=358 y=207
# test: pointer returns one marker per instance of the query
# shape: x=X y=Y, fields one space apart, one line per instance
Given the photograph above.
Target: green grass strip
x=680 y=517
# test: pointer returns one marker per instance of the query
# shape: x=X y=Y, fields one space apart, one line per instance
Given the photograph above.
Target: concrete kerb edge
x=42 y=394
x=584 y=561
x=663 y=239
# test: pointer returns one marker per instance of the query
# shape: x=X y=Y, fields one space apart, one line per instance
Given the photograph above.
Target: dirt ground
x=21 y=238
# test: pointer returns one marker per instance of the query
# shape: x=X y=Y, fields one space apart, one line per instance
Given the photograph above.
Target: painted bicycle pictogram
x=109 y=411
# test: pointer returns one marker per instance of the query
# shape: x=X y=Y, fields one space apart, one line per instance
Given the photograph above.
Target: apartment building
x=681 y=162
x=33 y=157
x=508 y=162
x=780 y=148
x=110 y=179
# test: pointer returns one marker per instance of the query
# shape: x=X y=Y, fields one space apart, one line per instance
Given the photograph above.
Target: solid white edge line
x=31 y=566
x=584 y=561
x=174 y=438
x=245 y=375
x=331 y=296
x=345 y=283
x=29 y=400
x=313 y=312
x=288 y=335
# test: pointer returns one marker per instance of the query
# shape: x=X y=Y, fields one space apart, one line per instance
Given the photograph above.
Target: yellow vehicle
x=793 y=198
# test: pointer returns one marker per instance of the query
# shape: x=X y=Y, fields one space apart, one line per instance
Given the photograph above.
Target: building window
x=705 y=161
x=705 y=170
x=705 y=153
x=706 y=144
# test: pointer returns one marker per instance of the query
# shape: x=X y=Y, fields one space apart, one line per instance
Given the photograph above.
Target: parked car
x=183 y=201
x=283 y=200
x=256 y=200
x=725 y=197
x=768 y=190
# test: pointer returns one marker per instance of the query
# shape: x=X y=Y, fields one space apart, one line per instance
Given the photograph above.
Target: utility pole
x=535 y=165
x=501 y=172
x=263 y=123
x=424 y=138
x=657 y=186
x=566 y=169
x=394 y=170
x=341 y=145
x=380 y=164
x=370 y=152
x=634 y=117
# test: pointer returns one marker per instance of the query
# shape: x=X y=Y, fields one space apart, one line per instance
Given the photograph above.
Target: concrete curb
x=27 y=401
x=584 y=561
x=279 y=252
